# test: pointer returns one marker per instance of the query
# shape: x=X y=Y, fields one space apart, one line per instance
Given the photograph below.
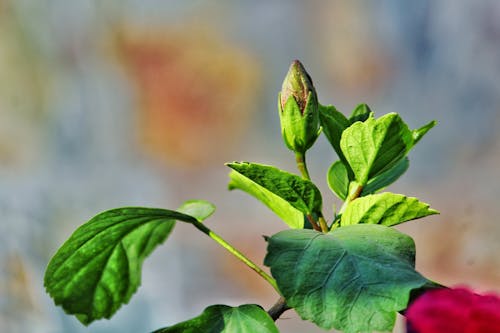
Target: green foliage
x=290 y=215
x=353 y=273
x=338 y=179
x=360 y=113
x=248 y=318
x=387 y=177
x=385 y=208
x=301 y=194
x=353 y=279
x=99 y=267
x=333 y=123
x=199 y=209
x=375 y=145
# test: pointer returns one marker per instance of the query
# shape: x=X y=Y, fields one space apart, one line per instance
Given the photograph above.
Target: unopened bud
x=298 y=109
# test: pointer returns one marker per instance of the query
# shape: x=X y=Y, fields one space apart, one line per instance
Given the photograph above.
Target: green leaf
x=248 y=318
x=338 y=179
x=333 y=123
x=199 y=209
x=99 y=267
x=353 y=279
x=360 y=113
x=385 y=208
x=386 y=178
x=292 y=217
x=301 y=194
x=373 y=146
x=420 y=132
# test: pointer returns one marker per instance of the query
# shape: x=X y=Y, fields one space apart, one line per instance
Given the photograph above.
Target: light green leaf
x=333 y=123
x=360 y=113
x=420 y=132
x=248 y=318
x=199 y=209
x=292 y=217
x=301 y=194
x=354 y=279
x=373 y=146
x=387 y=177
x=338 y=179
x=385 y=208
x=99 y=267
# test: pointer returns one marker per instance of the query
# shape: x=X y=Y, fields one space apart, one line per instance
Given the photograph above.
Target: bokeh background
x=112 y=103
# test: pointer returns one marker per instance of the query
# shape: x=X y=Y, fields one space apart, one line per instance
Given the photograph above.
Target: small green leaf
x=301 y=194
x=292 y=217
x=199 y=209
x=385 y=208
x=99 y=267
x=338 y=179
x=386 y=178
x=333 y=123
x=354 y=279
x=360 y=113
x=420 y=132
x=248 y=318
x=373 y=146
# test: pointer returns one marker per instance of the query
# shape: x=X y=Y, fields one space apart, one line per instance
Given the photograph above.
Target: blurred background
x=115 y=103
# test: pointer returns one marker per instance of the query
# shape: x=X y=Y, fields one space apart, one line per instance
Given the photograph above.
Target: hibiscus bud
x=298 y=109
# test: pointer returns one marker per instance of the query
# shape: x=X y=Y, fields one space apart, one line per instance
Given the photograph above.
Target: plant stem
x=278 y=308
x=200 y=226
x=300 y=158
x=323 y=224
x=353 y=194
x=311 y=220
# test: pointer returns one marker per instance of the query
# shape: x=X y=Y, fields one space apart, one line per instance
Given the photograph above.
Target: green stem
x=323 y=224
x=353 y=194
x=300 y=158
x=200 y=226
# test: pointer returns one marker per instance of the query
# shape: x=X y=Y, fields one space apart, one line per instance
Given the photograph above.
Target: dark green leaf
x=248 y=318
x=360 y=113
x=385 y=208
x=333 y=123
x=99 y=267
x=338 y=179
x=354 y=279
x=420 y=132
x=301 y=194
x=199 y=209
x=386 y=178
x=373 y=146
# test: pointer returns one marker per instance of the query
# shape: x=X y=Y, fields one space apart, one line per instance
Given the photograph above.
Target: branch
x=278 y=308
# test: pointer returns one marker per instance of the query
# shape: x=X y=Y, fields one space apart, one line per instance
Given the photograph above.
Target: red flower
x=457 y=310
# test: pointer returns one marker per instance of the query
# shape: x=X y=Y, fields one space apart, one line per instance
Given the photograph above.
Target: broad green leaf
x=354 y=279
x=386 y=178
x=338 y=179
x=373 y=146
x=385 y=208
x=420 y=132
x=199 y=209
x=301 y=194
x=360 y=113
x=333 y=123
x=292 y=217
x=99 y=267
x=248 y=318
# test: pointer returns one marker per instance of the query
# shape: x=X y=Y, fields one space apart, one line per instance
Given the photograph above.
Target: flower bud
x=298 y=109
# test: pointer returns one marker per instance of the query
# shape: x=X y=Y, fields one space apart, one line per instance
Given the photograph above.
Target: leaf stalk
x=200 y=226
